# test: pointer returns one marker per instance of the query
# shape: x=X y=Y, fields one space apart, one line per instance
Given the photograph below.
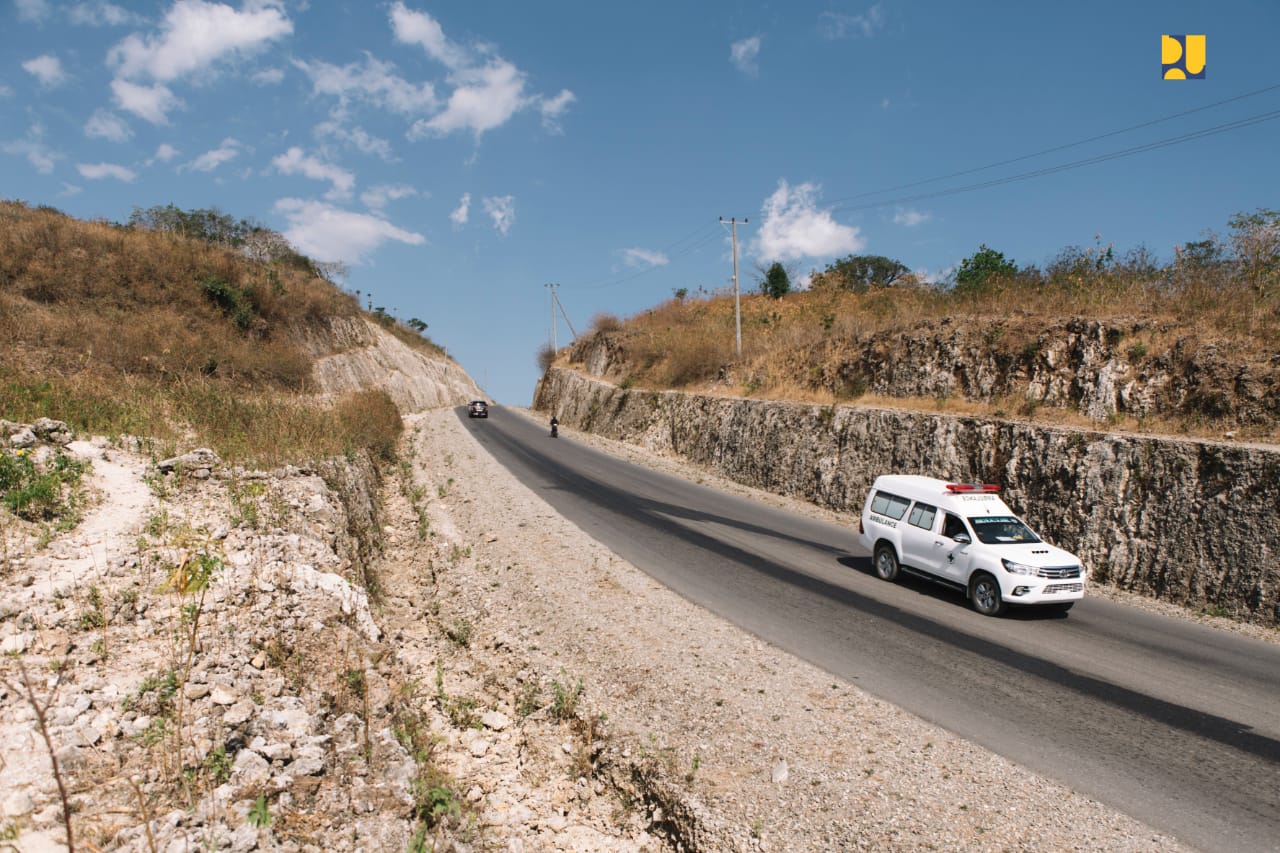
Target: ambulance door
x=917 y=537
x=951 y=546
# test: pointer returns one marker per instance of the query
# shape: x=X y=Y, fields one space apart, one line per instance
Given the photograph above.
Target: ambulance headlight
x=1018 y=568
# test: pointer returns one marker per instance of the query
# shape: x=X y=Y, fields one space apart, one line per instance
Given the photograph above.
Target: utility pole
x=551 y=289
x=564 y=314
x=737 y=301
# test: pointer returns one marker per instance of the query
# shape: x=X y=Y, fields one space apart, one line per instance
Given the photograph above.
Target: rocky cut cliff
x=1189 y=521
x=355 y=353
x=1143 y=369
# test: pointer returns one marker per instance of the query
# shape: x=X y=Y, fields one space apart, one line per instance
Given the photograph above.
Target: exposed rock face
x=1188 y=521
x=1097 y=368
x=368 y=356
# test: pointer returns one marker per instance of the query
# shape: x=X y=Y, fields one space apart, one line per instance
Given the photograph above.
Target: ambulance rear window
x=893 y=506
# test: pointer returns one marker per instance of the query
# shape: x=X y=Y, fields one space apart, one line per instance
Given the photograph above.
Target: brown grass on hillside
x=123 y=330
x=811 y=345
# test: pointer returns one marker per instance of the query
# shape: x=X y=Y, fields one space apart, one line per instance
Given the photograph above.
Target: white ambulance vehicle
x=963 y=535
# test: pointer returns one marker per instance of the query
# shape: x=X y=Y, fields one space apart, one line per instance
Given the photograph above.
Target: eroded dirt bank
x=486 y=678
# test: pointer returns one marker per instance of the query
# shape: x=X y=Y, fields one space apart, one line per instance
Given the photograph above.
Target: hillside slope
x=192 y=329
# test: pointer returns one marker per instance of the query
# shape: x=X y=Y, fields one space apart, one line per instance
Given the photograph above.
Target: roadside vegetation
x=187 y=327
x=1219 y=292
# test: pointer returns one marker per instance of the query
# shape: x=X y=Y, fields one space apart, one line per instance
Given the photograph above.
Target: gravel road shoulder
x=733 y=744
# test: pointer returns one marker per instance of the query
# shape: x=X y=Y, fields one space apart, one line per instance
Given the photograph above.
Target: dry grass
x=126 y=331
x=806 y=346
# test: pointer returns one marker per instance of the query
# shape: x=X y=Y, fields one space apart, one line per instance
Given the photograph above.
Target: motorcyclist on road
x=554 y=424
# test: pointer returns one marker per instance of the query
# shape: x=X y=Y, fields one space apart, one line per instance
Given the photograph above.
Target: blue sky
x=459 y=156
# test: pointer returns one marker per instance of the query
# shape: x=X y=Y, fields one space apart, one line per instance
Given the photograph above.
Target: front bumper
x=1020 y=589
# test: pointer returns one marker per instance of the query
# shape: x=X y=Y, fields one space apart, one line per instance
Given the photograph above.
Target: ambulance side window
x=953 y=526
x=922 y=516
x=891 y=505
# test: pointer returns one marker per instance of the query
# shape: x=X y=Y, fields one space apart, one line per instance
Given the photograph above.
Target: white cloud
x=69 y=190
x=644 y=258
x=5 y=91
x=328 y=233
x=195 y=35
x=108 y=126
x=47 y=69
x=379 y=196
x=99 y=171
x=227 y=151
x=165 y=152
x=99 y=13
x=835 y=25
x=32 y=10
x=358 y=138
x=375 y=82
x=502 y=210
x=150 y=103
x=911 y=218
x=462 y=212
x=268 y=76
x=794 y=227
x=485 y=98
x=296 y=162
x=553 y=108
x=745 y=55
x=40 y=156
x=419 y=28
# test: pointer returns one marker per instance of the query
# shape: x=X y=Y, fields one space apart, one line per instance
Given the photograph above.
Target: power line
x=703 y=235
x=1057 y=148
x=1075 y=164
x=698 y=239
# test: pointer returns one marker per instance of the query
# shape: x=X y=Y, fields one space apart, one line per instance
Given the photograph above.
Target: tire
x=886 y=562
x=984 y=594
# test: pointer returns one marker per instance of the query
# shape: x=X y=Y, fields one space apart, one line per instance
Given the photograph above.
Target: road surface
x=1171 y=722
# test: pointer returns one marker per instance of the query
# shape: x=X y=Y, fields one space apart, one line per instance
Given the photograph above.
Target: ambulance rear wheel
x=984 y=592
x=886 y=562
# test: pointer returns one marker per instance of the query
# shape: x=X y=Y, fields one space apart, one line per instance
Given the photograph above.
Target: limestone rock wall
x=357 y=354
x=1100 y=369
x=1193 y=522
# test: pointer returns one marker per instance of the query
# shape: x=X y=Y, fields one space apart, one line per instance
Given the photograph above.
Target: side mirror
x=962 y=538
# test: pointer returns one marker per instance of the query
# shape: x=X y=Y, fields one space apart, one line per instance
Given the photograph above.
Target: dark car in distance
x=478 y=409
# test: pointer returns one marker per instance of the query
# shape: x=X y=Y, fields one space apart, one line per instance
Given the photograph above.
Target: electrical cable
x=1057 y=148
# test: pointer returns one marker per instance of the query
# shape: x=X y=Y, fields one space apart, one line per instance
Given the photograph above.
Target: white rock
x=250 y=769
x=195 y=691
x=780 y=772
x=495 y=720
x=479 y=747
x=223 y=696
x=17 y=804
x=238 y=713
x=16 y=644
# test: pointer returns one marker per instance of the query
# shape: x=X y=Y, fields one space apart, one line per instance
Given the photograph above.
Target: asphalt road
x=1171 y=722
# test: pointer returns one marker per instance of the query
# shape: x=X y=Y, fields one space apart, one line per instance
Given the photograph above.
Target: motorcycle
x=555 y=427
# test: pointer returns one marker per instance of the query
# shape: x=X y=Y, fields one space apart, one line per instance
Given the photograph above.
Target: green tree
x=776 y=282
x=983 y=267
x=859 y=272
x=1255 y=238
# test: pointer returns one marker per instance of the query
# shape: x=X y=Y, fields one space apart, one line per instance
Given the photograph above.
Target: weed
x=40 y=492
x=564 y=704
x=529 y=699
x=218 y=764
x=460 y=633
x=259 y=815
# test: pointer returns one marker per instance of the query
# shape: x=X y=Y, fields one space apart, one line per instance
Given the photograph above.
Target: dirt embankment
x=491 y=679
